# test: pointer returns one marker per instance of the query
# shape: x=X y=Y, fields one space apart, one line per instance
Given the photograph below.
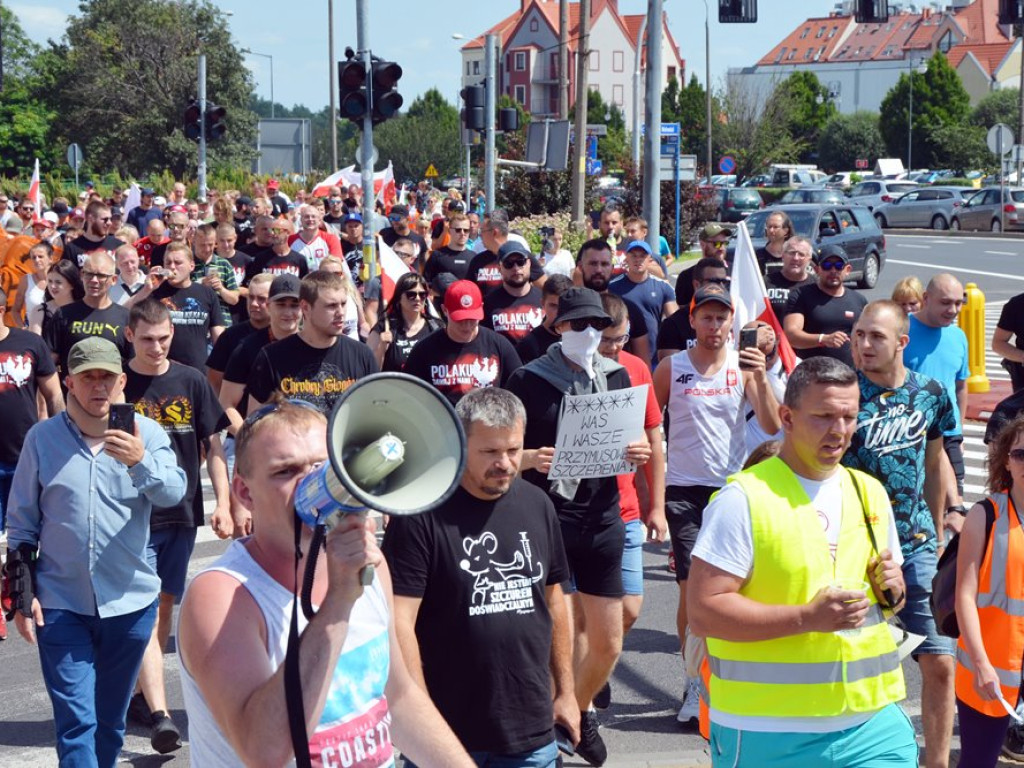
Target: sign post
x=999 y=140
x=74 y=160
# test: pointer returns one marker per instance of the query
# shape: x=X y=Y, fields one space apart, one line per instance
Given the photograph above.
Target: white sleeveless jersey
x=706 y=430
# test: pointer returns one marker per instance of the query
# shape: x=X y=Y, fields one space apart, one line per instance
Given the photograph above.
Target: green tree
x=692 y=116
x=960 y=147
x=612 y=148
x=756 y=134
x=1002 y=106
x=24 y=118
x=939 y=99
x=810 y=109
x=428 y=133
x=847 y=138
x=123 y=73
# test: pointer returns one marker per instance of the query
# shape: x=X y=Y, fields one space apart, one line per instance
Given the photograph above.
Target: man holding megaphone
x=356 y=692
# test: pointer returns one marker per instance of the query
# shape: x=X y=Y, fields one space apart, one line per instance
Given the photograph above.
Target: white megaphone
x=395 y=445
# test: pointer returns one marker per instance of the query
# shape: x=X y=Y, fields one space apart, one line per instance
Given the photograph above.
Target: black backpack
x=943 y=598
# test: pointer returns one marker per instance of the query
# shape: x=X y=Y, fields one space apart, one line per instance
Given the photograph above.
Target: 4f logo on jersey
x=685 y=378
x=730 y=377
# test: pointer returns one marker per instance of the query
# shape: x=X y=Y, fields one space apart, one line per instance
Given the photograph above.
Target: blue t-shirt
x=942 y=354
x=650 y=296
x=893 y=427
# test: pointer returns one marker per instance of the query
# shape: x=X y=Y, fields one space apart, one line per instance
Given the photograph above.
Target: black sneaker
x=1013 y=744
x=603 y=697
x=138 y=710
x=591 y=746
x=165 y=737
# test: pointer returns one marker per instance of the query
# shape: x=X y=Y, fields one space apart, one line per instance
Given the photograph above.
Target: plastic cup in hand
x=850 y=585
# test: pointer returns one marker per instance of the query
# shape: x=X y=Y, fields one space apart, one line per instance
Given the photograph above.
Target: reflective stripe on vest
x=1007 y=677
x=795 y=673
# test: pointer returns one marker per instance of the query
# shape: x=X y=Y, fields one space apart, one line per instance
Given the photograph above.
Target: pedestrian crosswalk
x=975 y=452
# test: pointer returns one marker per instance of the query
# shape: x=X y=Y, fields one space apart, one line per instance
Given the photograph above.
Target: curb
x=895 y=231
x=980 y=405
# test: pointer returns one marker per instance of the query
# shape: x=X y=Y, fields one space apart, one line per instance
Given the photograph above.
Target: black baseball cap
x=710 y=292
x=831 y=251
x=514 y=248
x=285 y=286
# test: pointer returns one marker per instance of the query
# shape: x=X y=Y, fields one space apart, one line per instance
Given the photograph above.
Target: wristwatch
x=959 y=509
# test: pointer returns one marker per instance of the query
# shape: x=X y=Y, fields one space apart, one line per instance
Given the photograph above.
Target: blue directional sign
x=595 y=167
x=727 y=164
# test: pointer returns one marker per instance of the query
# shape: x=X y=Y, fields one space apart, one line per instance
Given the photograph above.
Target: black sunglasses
x=413 y=295
x=517 y=261
x=597 y=323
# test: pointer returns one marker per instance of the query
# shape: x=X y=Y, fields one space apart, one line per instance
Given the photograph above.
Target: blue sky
x=417 y=34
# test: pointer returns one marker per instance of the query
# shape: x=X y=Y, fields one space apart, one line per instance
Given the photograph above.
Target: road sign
x=74 y=157
x=374 y=154
x=431 y=172
x=999 y=139
x=669 y=146
x=727 y=164
x=862 y=163
x=597 y=129
x=667 y=129
x=595 y=167
x=1017 y=153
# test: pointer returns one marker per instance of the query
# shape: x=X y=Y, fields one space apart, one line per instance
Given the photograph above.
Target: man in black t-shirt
x=483 y=269
x=94 y=238
x=319 y=362
x=263 y=237
x=454 y=257
x=820 y=315
x=463 y=356
x=336 y=211
x=1011 y=326
x=243 y=222
x=796 y=255
x=478 y=596
x=229 y=341
x=399 y=220
x=714 y=239
x=588 y=509
x=177 y=232
x=676 y=333
x=540 y=338
x=514 y=309
x=94 y=315
x=279 y=258
x=181 y=401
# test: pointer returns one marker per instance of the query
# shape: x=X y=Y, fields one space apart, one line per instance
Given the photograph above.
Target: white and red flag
x=750 y=298
x=391 y=268
x=33 y=190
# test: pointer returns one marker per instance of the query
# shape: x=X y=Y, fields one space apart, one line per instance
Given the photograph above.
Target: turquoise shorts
x=887 y=739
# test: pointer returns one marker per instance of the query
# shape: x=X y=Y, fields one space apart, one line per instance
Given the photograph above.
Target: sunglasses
x=517 y=262
x=263 y=411
x=582 y=323
x=415 y=295
x=832 y=264
x=460 y=229
x=396 y=217
x=1017 y=454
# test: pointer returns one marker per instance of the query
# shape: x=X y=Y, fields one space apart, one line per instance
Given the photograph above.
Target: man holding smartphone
x=78 y=525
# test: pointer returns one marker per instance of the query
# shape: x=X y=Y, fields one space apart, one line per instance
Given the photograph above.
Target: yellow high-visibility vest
x=813 y=674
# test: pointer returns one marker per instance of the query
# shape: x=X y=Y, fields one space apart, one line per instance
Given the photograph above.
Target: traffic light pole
x=652 y=113
x=202 y=126
x=490 y=155
x=366 y=161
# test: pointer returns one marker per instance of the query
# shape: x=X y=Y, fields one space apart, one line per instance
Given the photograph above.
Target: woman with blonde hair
x=908 y=293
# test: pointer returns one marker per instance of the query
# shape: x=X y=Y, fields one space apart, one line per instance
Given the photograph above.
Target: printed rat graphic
x=487 y=573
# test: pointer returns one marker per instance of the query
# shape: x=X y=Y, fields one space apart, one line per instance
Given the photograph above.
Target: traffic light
x=475 y=99
x=192 y=125
x=386 y=98
x=508 y=119
x=215 y=126
x=352 y=96
x=1011 y=12
x=872 y=11
x=737 y=11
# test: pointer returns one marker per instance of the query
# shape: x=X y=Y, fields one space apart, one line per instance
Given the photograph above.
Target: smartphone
x=122 y=417
x=748 y=338
x=563 y=741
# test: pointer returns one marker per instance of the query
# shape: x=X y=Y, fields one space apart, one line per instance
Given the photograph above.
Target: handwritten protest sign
x=594 y=431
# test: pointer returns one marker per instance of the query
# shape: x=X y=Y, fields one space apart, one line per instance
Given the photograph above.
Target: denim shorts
x=918 y=572
x=633 y=559
x=168 y=552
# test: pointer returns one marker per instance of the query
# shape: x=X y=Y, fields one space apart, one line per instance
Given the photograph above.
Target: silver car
x=982 y=210
x=874 y=192
x=932 y=207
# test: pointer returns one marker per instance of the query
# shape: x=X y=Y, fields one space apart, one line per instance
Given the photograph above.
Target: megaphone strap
x=292 y=675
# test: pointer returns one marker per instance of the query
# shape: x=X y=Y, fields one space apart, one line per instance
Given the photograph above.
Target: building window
x=521 y=94
x=594 y=61
x=792 y=55
x=946 y=42
x=618 y=61
x=832 y=32
x=821 y=31
x=806 y=32
x=476 y=67
x=467 y=69
x=807 y=54
x=520 y=61
x=782 y=54
x=534 y=26
x=617 y=95
x=671 y=72
x=554 y=66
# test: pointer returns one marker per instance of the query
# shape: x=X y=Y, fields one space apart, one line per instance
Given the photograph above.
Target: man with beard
x=95 y=237
x=279 y=258
x=514 y=309
x=399 y=220
x=483 y=269
x=335 y=213
x=595 y=264
x=714 y=239
x=177 y=231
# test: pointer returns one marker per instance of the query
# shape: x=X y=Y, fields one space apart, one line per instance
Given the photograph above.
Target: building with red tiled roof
x=528 y=58
x=860 y=63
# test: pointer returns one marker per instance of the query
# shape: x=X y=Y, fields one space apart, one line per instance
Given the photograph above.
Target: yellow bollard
x=972 y=323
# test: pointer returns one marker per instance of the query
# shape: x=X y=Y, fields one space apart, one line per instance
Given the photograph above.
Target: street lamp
x=910 y=109
x=266 y=56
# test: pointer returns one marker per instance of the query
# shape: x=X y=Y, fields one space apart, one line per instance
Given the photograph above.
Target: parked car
x=932 y=207
x=811 y=195
x=723 y=179
x=982 y=210
x=796 y=177
x=840 y=180
x=736 y=203
x=760 y=180
x=847 y=224
x=877 y=191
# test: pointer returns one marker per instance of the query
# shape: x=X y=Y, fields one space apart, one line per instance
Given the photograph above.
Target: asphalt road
x=639 y=727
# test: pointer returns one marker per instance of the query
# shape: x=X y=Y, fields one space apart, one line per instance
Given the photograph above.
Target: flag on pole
x=391 y=268
x=385 y=187
x=750 y=298
x=336 y=179
x=132 y=200
x=33 y=190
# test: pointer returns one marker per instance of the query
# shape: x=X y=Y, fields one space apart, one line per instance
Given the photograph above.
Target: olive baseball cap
x=713 y=230
x=94 y=353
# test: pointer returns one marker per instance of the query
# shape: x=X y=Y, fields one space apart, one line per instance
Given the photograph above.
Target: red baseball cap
x=462 y=301
x=273 y=184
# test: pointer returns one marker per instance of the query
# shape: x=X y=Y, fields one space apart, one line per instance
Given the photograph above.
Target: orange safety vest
x=1000 y=611
x=704 y=718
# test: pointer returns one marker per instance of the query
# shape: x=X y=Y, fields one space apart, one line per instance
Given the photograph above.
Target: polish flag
x=337 y=179
x=750 y=298
x=385 y=187
x=391 y=268
x=33 y=190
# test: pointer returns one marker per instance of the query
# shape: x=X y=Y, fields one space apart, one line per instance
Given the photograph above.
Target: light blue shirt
x=940 y=353
x=89 y=516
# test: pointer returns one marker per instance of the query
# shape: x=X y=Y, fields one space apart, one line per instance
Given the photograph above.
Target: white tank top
x=706 y=433
x=355 y=727
x=34 y=295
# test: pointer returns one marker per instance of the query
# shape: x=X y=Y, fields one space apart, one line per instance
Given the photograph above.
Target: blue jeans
x=6 y=476
x=542 y=757
x=89 y=667
x=918 y=571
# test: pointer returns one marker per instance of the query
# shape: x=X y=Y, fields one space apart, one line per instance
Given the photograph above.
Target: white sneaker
x=690 y=711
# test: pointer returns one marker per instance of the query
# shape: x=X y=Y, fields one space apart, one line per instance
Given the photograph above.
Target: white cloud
x=41 y=23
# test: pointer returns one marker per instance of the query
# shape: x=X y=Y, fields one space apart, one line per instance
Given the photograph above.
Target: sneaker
x=690 y=711
x=591 y=746
x=1013 y=744
x=3 y=626
x=138 y=710
x=603 y=697
x=164 y=737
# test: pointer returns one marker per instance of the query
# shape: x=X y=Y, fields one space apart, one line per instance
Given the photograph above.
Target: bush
x=529 y=227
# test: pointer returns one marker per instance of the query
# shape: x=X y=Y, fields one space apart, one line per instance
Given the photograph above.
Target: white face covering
x=581 y=346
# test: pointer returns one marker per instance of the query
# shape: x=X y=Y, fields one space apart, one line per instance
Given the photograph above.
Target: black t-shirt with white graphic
x=195 y=311
x=226 y=345
x=536 y=343
x=826 y=314
x=779 y=287
x=291 y=263
x=82 y=246
x=455 y=368
x=481 y=569
x=676 y=331
x=398 y=351
x=318 y=376
x=483 y=270
x=447 y=260
x=184 y=404
x=77 y=320
x=239 y=265
x=513 y=316
x=24 y=359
